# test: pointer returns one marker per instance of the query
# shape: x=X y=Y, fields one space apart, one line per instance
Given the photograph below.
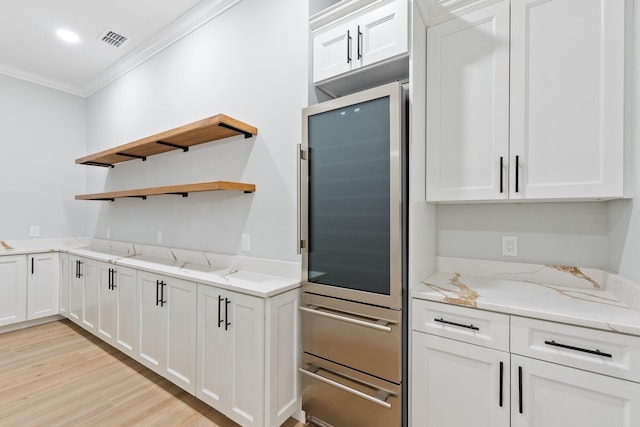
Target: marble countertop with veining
x=257 y=277
x=566 y=294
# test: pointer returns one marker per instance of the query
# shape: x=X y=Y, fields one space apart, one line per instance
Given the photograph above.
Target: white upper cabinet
x=373 y=34
x=567 y=98
x=468 y=106
x=525 y=101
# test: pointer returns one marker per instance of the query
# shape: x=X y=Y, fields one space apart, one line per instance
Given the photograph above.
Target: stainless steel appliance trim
x=298 y=190
x=348 y=389
x=379 y=327
x=394 y=299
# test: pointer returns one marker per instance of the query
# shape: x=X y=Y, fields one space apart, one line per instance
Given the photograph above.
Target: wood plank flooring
x=57 y=374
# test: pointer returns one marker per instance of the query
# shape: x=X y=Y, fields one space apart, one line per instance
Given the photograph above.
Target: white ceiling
x=30 y=49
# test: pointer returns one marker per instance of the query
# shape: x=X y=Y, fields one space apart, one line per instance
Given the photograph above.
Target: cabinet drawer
x=607 y=353
x=465 y=324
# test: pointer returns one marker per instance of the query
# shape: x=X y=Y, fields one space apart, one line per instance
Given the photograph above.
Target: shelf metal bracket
x=183 y=194
x=139 y=197
x=104 y=165
x=235 y=129
x=133 y=156
x=171 y=144
x=108 y=199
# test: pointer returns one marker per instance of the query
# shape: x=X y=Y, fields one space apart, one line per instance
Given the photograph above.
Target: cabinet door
x=567 y=96
x=245 y=358
x=90 y=299
x=333 y=51
x=212 y=345
x=180 y=316
x=76 y=289
x=468 y=106
x=65 y=277
x=152 y=326
x=382 y=33
x=126 y=292
x=107 y=303
x=458 y=384
x=43 y=280
x=557 y=396
x=13 y=288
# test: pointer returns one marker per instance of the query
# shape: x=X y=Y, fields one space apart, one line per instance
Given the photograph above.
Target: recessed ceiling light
x=68 y=36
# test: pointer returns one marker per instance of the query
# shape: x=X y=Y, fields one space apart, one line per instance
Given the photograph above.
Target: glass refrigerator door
x=349 y=197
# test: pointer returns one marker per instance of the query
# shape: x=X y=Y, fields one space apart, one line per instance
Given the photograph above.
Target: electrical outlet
x=159 y=236
x=246 y=242
x=34 y=231
x=509 y=246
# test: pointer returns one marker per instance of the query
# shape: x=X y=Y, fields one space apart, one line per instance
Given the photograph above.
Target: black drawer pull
x=501 y=382
x=584 y=350
x=441 y=320
x=520 y=409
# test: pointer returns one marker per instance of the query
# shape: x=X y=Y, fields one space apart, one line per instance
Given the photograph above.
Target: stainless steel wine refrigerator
x=353 y=228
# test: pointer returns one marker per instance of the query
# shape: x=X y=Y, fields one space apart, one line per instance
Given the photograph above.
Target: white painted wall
x=43 y=131
x=548 y=233
x=249 y=63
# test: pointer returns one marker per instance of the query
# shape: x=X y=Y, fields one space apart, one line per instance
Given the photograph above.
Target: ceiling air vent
x=112 y=38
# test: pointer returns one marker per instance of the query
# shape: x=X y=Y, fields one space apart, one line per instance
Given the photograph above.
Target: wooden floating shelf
x=180 y=138
x=181 y=190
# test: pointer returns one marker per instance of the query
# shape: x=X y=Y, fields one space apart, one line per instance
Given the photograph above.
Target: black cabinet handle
x=162 y=300
x=31 y=265
x=79 y=269
x=348 y=47
x=359 y=43
x=109 y=280
x=220 y=321
x=501 y=174
x=517 y=174
x=584 y=350
x=501 y=381
x=112 y=279
x=520 y=389
x=226 y=314
x=441 y=320
x=157 y=292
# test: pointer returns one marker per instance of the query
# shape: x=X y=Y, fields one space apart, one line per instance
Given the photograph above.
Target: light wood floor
x=60 y=375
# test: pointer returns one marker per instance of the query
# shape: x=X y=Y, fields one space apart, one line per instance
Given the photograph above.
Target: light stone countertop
x=252 y=276
x=566 y=294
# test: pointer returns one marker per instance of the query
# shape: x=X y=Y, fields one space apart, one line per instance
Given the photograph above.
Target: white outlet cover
x=246 y=242
x=34 y=231
x=509 y=245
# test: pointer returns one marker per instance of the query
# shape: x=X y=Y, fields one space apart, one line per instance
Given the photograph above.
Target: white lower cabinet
x=83 y=292
x=43 y=282
x=457 y=383
x=548 y=395
x=247 y=355
x=118 y=307
x=65 y=277
x=167 y=327
x=13 y=278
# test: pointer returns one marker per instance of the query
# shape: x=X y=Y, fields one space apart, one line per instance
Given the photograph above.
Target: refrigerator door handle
x=299 y=158
x=378 y=326
x=349 y=389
